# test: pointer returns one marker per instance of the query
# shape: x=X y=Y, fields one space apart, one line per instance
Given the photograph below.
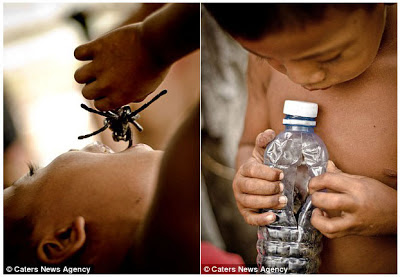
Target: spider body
x=119 y=119
x=119 y=124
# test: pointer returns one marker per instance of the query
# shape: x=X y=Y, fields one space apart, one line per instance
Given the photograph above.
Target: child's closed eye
x=32 y=168
x=334 y=59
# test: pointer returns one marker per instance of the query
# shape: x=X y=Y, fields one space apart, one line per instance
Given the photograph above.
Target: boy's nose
x=304 y=74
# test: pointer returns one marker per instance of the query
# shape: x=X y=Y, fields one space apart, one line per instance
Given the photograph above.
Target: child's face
x=101 y=186
x=337 y=49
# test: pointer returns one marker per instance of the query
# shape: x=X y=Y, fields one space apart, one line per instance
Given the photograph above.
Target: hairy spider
x=118 y=120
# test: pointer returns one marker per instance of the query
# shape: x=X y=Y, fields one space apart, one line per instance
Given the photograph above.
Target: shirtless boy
x=343 y=57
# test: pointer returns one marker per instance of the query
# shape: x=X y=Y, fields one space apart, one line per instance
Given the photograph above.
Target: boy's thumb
x=331 y=167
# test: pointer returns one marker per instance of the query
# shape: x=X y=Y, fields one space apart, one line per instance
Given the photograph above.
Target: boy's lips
x=312 y=89
x=139 y=145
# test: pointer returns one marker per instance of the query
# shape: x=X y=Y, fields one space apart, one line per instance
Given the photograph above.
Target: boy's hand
x=257 y=186
x=122 y=68
x=361 y=205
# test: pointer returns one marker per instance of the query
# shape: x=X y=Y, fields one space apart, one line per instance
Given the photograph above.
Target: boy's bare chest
x=358 y=122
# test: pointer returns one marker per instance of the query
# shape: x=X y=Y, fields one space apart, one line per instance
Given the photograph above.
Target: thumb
x=262 y=141
x=331 y=167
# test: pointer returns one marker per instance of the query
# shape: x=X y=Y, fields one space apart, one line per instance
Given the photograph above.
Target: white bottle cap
x=300 y=108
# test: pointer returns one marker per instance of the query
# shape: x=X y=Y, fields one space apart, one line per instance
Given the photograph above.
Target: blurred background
x=42 y=113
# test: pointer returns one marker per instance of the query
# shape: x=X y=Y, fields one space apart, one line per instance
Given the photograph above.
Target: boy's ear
x=63 y=244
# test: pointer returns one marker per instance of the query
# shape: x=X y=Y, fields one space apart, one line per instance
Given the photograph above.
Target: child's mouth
x=312 y=89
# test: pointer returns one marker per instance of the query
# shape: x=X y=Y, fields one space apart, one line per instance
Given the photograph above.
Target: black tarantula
x=119 y=119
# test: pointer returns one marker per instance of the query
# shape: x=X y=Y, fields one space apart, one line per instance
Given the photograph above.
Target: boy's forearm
x=142 y=13
x=172 y=32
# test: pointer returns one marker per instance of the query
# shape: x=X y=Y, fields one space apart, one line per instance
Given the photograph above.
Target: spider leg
x=137 y=125
x=95 y=132
x=148 y=103
x=129 y=136
x=95 y=111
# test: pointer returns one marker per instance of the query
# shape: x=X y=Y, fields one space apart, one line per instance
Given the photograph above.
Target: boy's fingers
x=105 y=104
x=84 y=52
x=91 y=91
x=332 y=181
x=330 y=227
x=332 y=201
x=260 y=171
x=261 y=202
x=262 y=141
x=259 y=186
x=257 y=219
x=85 y=74
x=331 y=167
x=264 y=138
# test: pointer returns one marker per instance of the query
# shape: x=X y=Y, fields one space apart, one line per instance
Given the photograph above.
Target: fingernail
x=313 y=212
x=281 y=176
x=282 y=199
x=270 y=217
x=280 y=187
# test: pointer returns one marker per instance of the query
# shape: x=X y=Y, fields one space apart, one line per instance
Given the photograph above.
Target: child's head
x=83 y=208
x=315 y=45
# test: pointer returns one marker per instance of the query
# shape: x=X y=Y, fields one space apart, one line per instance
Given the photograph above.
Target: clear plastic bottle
x=291 y=241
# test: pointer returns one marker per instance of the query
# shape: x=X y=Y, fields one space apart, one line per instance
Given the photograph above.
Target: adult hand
x=122 y=68
x=257 y=186
x=354 y=205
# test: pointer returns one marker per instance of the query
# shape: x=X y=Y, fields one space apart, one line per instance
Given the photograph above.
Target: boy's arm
x=173 y=31
x=130 y=62
x=142 y=13
x=170 y=235
x=256 y=119
x=257 y=186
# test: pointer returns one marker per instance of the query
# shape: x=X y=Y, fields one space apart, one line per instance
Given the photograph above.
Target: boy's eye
x=32 y=168
x=261 y=59
x=333 y=59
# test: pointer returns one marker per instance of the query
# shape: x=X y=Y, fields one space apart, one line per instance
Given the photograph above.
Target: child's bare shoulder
x=258 y=75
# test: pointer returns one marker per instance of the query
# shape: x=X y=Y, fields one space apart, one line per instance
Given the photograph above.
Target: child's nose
x=304 y=74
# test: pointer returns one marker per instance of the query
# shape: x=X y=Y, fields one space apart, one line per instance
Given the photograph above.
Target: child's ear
x=63 y=244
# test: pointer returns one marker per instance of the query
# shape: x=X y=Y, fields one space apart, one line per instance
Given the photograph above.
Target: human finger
x=92 y=91
x=258 y=219
x=259 y=186
x=332 y=201
x=264 y=138
x=261 y=171
x=85 y=74
x=262 y=141
x=333 y=181
x=106 y=104
x=84 y=52
x=261 y=202
x=330 y=227
x=331 y=167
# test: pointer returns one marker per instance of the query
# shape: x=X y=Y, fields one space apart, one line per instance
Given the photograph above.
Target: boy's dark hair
x=18 y=246
x=20 y=249
x=253 y=20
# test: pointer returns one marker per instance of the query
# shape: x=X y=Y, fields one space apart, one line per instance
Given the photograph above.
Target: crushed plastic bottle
x=291 y=241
